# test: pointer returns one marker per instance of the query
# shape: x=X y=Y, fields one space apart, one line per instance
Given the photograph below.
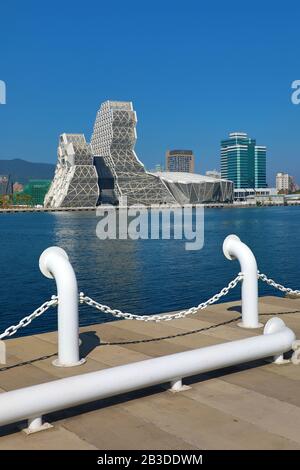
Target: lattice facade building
x=192 y=188
x=114 y=138
x=75 y=182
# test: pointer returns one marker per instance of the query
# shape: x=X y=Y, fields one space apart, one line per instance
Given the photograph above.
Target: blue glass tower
x=243 y=162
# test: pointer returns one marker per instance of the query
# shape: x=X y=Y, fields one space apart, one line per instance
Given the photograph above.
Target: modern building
x=285 y=183
x=75 y=182
x=243 y=162
x=244 y=194
x=180 y=160
x=108 y=171
x=193 y=188
x=113 y=140
x=35 y=191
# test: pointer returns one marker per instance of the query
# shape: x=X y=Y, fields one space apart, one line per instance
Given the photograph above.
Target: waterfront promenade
x=161 y=206
x=250 y=406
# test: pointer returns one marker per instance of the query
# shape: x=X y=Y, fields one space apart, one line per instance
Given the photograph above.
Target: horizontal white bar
x=37 y=400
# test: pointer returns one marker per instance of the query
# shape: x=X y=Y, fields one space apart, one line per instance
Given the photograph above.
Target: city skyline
x=220 y=94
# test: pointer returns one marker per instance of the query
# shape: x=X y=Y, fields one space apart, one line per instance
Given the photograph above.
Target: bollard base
x=177 y=386
x=56 y=363
x=242 y=325
x=279 y=360
x=43 y=427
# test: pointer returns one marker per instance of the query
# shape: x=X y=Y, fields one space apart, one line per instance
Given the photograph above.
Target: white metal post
x=37 y=400
x=54 y=263
x=234 y=248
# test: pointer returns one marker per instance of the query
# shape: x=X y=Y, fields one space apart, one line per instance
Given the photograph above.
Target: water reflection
x=141 y=276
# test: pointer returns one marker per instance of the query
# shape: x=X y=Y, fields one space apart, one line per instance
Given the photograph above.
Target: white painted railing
x=54 y=263
x=234 y=248
x=32 y=402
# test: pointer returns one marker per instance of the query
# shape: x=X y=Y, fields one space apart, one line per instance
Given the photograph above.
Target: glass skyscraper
x=243 y=162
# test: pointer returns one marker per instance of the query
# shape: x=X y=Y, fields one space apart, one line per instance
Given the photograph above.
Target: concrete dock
x=250 y=406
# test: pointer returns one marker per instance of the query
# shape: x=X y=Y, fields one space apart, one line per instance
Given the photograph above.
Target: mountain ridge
x=22 y=171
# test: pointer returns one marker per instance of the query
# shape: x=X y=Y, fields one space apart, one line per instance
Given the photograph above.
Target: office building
x=243 y=162
x=285 y=183
x=180 y=160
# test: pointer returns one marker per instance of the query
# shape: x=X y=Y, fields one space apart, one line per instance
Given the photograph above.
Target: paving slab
x=249 y=406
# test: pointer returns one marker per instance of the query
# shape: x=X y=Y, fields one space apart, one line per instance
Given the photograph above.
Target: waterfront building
x=193 y=188
x=114 y=137
x=107 y=170
x=247 y=194
x=285 y=183
x=75 y=182
x=34 y=192
x=243 y=162
x=180 y=160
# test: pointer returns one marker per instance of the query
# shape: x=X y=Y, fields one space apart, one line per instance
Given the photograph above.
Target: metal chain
x=165 y=317
x=10 y=331
x=280 y=287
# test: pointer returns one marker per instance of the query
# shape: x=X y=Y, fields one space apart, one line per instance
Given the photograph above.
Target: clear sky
x=194 y=70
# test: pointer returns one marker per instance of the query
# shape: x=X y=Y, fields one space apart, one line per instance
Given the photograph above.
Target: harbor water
x=139 y=276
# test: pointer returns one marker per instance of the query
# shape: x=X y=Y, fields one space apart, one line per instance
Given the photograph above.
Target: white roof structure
x=185 y=178
x=192 y=188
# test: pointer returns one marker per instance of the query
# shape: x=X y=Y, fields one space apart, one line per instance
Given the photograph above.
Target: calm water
x=147 y=276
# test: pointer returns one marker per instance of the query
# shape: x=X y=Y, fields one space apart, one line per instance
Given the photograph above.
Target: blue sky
x=194 y=71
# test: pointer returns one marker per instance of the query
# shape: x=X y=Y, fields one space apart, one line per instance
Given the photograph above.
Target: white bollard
x=37 y=400
x=234 y=248
x=54 y=263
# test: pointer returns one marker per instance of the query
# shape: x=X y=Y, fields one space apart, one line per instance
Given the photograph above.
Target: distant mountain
x=22 y=171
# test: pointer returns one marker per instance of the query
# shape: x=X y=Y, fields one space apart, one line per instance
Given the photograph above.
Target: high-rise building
x=243 y=162
x=285 y=183
x=180 y=160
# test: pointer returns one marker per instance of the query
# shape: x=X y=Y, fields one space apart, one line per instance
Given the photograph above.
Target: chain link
x=280 y=287
x=11 y=330
x=165 y=317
